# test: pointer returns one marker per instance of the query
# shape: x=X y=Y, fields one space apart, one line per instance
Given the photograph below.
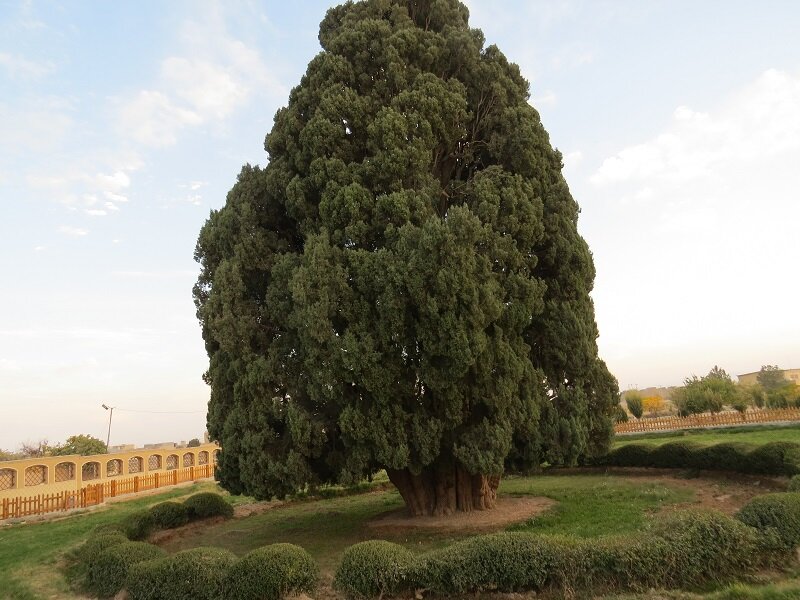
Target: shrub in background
x=794 y=484
x=138 y=525
x=108 y=572
x=779 y=513
x=269 y=573
x=374 y=568
x=630 y=455
x=673 y=455
x=635 y=404
x=196 y=574
x=727 y=456
x=168 y=515
x=775 y=458
x=208 y=504
x=96 y=544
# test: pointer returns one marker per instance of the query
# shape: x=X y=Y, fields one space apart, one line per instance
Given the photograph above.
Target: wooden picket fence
x=722 y=419
x=93 y=494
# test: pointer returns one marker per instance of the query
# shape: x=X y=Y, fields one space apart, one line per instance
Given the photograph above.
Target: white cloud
x=20 y=67
x=216 y=76
x=702 y=226
x=760 y=122
x=38 y=126
x=85 y=190
x=73 y=231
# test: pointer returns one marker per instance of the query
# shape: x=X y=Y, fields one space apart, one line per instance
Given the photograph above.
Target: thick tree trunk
x=444 y=489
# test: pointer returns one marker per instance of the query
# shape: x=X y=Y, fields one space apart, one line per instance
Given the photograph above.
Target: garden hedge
x=374 y=568
x=687 y=549
x=794 y=484
x=774 y=458
x=108 y=572
x=138 y=525
x=96 y=544
x=271 y=572
x=779 y=513
x=196 y=574
x=208 y=504
x=168 y=515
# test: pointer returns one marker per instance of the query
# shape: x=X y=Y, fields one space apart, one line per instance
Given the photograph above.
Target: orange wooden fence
x=723 y=419
x=91 y=495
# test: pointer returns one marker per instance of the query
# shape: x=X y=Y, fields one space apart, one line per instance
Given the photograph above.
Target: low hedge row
x=774 y=458
x=267 y=573
x=108 y=572
x=686 y=549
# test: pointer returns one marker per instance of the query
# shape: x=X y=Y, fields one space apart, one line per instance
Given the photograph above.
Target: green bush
x=507 y=562
x=794 y=484
x=693 y=548
x=196 y=574
x=673 y=455
x=96 y=544
x=137 y=526
x=108 y=572
x=168 y=515
x=106 y=528
x=775 y=458
x=208 y=504
x=269 y=573
x=727 y=456
x=779 y=513
x=630 y=455
x=374 y=568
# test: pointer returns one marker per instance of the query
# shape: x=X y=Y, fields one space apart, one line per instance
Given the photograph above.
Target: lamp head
x=104 y=406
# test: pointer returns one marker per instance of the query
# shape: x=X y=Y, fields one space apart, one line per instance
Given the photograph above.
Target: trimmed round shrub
x=374 y=568
x=778 y=513
x=727 y=456
x=137 y=526
x=196 y=574
x=167 y=515
x=271 y=572
x=673 y=455
x=507 y=562
x=96 y=544
x=775 y=458
x=794 y=484
x=208 y=504
x=108 y=572
x=630 y=455
x=106 y=528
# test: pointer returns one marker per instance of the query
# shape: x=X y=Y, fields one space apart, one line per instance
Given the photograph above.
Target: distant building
x=160 y=445
x=122 y=448
x=790 y=375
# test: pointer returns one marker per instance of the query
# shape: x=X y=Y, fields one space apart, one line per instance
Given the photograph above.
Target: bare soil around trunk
x=507 y=511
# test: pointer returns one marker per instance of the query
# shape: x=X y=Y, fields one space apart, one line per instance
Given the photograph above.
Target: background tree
x=35 y=449
x=653 y=404
x=403 y=286
x=635 y=404
x=705 y=394
x=620 y=415
x=770 y=378
x=193 y=443
x=82 y=444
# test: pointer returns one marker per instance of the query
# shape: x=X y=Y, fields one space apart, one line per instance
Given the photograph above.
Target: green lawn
x=29 y=553
x=756 y=434
x=588 y=505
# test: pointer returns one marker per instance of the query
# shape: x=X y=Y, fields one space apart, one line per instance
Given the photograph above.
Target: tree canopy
x=403 y=286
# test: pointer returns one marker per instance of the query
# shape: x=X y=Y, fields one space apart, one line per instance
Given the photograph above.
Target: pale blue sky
x=123 y=124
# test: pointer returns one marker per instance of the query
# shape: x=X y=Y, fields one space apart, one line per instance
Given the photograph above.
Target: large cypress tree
x=403 y=286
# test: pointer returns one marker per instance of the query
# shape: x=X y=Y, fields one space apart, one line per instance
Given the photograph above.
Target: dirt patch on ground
x=508 y=510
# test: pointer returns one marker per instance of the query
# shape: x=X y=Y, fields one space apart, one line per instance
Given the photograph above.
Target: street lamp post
x=110 y=414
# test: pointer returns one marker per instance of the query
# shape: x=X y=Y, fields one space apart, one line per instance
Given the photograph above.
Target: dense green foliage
x=794 y=484
x=272 y=572
x=710 y=393
x=374 y=568
x=774 y=458
x=403 y=286
x=96 y=544
x=80 y=444
x=635 y=404
x=168 y=515
x=771 y=378
x=775 y=512
x=137 y=526
x=207 y=504
x=108 y=573
x=196 y=574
